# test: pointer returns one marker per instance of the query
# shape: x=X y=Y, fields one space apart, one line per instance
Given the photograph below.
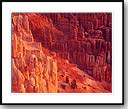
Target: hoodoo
x=61 y=52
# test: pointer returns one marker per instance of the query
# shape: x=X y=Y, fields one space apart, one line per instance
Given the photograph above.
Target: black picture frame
x=122 y=1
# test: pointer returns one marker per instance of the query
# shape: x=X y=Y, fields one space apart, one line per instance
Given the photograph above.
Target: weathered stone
x=45 y=46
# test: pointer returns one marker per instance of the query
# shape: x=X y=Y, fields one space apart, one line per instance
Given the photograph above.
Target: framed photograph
x=62 y=53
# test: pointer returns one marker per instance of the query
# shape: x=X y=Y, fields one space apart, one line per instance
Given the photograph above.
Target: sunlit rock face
x=61 y=52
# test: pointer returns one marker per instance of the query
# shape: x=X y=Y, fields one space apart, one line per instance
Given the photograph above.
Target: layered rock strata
x=61 y=52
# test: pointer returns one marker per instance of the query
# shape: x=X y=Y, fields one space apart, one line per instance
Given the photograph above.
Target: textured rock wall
x=85 y=41
x=32 y=70
x=72 y=44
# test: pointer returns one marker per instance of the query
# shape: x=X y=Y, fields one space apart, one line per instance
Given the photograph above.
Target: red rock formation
x=48 y=48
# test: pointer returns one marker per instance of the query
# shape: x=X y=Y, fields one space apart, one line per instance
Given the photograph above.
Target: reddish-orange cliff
x=61 y=52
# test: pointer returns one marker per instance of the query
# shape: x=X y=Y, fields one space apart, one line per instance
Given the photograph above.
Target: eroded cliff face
x=32 y=70
x=56 y=53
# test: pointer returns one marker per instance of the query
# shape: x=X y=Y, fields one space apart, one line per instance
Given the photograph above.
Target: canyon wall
x=54 y=52
x=83 y=39
x=32 y=70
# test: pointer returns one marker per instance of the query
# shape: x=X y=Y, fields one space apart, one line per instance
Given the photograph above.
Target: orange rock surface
x=56 y=53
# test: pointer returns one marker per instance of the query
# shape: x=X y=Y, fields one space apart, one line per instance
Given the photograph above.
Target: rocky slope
x=56 y=53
